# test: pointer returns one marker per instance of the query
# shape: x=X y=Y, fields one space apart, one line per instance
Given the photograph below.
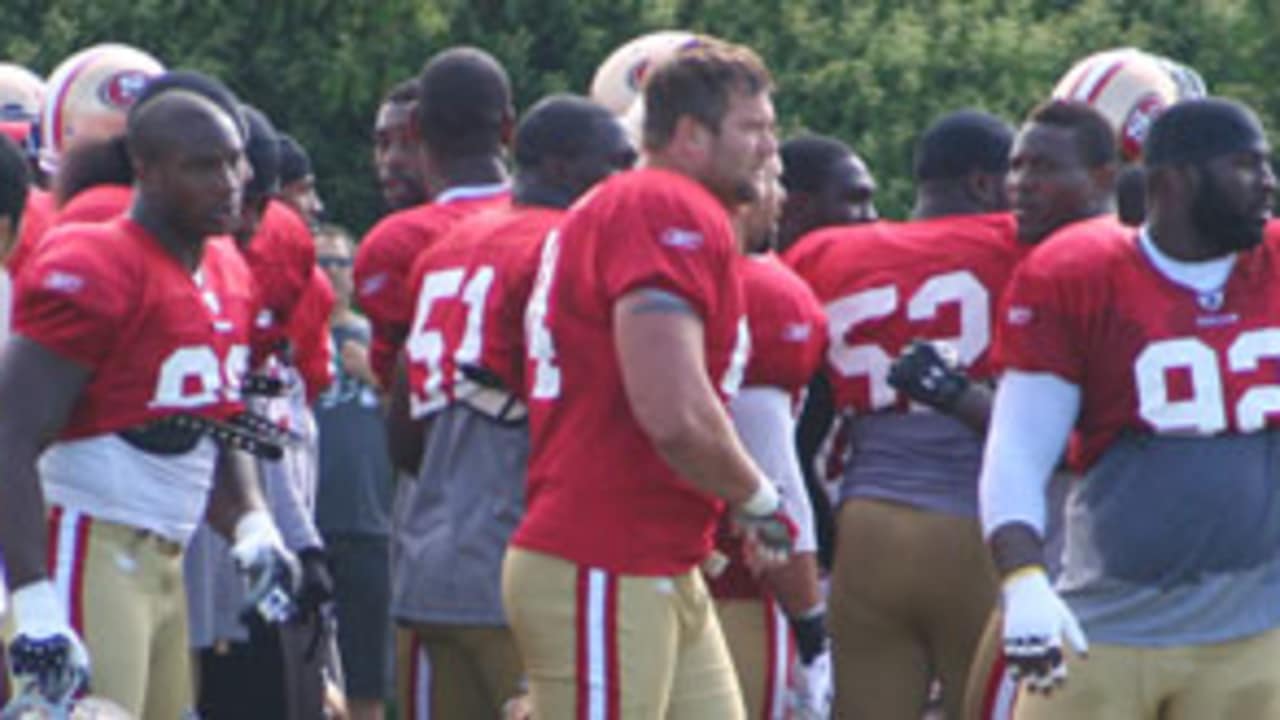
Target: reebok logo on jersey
x=1020 y=315
x=681 y=239
x=797 y=332
x=63 y=282
x=373 y=284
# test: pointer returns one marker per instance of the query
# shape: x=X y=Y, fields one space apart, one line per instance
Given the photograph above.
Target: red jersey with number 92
x=1149 y=355
x=472 y=286
x=157 y=339
x=599 y=494
x=884 y=284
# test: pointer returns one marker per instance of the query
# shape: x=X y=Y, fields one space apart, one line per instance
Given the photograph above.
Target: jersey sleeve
x=71 y=302
x=666 y=245
x=1042 y=320
x=384 y=295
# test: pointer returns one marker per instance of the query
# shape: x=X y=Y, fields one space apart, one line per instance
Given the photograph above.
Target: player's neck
x=470 y=170
x=530 y=189
x=1177 y=239
x=937 y=199
x=185 y=249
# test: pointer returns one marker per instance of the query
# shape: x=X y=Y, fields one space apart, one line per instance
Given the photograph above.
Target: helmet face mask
x=89 y=96
x=1130 y=88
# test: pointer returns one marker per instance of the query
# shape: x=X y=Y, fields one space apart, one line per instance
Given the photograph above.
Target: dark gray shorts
x=362 y=579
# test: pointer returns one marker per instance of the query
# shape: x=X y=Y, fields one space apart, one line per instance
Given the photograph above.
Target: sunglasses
x=333 y=262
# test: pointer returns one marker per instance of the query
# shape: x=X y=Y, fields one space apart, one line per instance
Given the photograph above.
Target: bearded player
x=465 y=381
x=397 y=148
x=636 y=337
x=465 y=119
x=772 y=621
x=121 y=327
x=902 y=612
x=1156 y=348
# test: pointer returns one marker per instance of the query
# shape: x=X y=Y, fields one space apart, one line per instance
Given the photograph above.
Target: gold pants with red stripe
x=763 y=653
x=455 y=671
x=598 y=645
x=124 y=593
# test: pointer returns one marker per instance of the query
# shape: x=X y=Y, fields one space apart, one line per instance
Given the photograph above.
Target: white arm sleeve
x=762 y=416
x=1030 y=423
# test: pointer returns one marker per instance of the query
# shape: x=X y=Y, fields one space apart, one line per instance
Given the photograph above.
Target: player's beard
x=1216 y=217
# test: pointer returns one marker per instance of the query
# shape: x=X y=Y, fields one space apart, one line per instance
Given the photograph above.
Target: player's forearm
x=22 y=515
x=973 y=407
x=236 y=491
x=795 y=584
x=405 y=436
x=699 y=443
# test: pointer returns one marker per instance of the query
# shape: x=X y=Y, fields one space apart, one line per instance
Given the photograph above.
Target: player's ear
x=987 y=189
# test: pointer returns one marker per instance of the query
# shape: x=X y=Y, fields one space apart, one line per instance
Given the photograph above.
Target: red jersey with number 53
x=471 y=290
x=1149 y=355
x=884 y=284
x=599 y=494
x=157 y=339
x=386 y=255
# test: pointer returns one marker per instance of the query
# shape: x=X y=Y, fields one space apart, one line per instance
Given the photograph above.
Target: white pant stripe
x=64 y=565
x=597 y=677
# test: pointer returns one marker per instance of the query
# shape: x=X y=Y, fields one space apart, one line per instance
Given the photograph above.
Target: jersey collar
x=470 y=192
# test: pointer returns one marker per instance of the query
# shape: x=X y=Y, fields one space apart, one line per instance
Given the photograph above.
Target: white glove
x=46 y=652
x=1035 y=621
x=271 y=571
x=810 y=692
x=770 y=532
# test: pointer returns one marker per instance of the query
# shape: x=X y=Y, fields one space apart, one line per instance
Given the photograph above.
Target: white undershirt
x=763 y=418
x=1020 y=456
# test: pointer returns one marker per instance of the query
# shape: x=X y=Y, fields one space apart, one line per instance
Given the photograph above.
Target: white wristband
x=37 y=605
x=765 y=501
x=255 y=523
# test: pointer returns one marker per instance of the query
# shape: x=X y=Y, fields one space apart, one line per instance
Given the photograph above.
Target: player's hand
x=46 y=653
x=809 y=694
x=769 y=533
x=1035 y=621
x=519 y=707
x=926 y=375
x=316 y=588
x=271 y=572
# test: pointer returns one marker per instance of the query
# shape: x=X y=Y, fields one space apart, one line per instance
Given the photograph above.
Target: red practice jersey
x=308 y=332
x=99 y=203
x=37 y=218
x=884 y=284
x=599 y=494
x=471 y=290
x=386 y=256
x=1149 y=355
x=788 y=339
x=282 y=258
x=157 y=339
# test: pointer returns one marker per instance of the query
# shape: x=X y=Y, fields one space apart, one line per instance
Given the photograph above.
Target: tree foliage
x=873 y=72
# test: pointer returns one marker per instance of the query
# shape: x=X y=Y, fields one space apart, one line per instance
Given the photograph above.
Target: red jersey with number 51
x=471 y=289
x=884 y=284
x=157 y=339
x=599 y=494
x=1149 y=355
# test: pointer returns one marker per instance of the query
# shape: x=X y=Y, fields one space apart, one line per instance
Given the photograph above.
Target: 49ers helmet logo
x=122 y=89
x=1134 y=131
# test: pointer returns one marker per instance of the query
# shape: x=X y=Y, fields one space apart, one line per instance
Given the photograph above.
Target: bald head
x=173 y=119
x=464 y=101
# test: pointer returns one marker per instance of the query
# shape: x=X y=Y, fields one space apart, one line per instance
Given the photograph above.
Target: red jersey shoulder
x=788 y=325
x=96 y=204
x=37 y=217
x=1079 y=250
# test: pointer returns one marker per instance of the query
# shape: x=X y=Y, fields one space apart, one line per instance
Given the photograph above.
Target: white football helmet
x=21 y=95
x=620 y=78
x=1130 y=88
x=89 y=95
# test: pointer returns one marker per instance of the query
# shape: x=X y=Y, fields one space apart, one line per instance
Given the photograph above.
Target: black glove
x=927 y=377
x=810 y=632
x=316 y=588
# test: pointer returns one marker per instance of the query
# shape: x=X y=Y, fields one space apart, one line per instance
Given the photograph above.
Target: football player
x=465 y=369
x=465 y=119
x=827 y=184
x=397 y=148
x=636 y=337
x=770 y=620
x=298 y=181
x=901 y=612
x=130 y=339
x=1155 y=347
x=87 y=98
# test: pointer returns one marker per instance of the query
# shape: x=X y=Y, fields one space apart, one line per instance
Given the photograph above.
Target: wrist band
x=764 y=501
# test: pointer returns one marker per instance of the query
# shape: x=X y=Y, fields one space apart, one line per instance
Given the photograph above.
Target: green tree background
x=873 y=72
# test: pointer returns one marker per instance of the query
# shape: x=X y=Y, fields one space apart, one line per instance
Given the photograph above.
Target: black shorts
x=362 y=580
